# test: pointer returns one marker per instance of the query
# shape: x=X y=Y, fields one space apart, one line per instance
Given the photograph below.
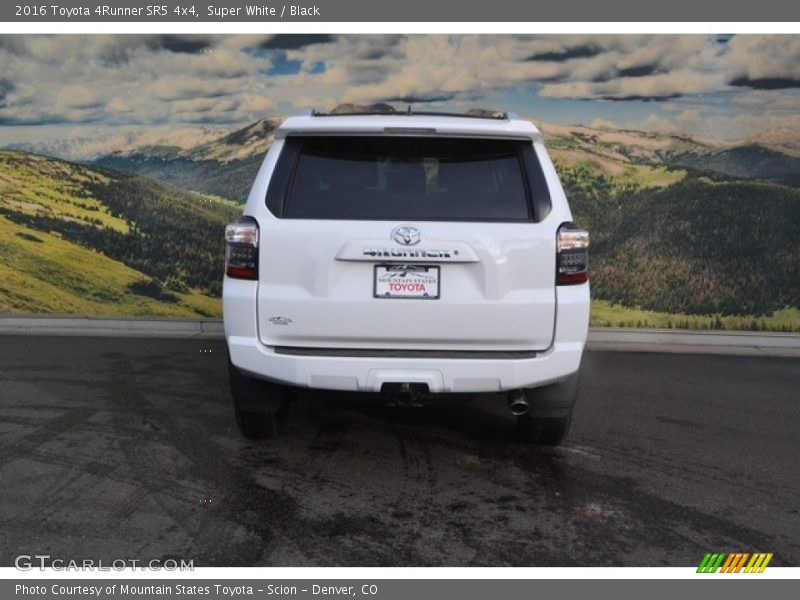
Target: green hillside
x=225 y=167
x=702 y=246
x=607 y=314
x=232 y=179
x=685 y=233
x=746 y=162
x=82 y=240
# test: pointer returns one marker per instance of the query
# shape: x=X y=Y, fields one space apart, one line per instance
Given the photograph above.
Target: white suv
x=414 y=254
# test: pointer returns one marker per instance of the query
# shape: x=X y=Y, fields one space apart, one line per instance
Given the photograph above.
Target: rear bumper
x=442 y=375
x=369 y=374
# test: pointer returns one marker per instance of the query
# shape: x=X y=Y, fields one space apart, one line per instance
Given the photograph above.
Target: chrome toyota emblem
x=406 y=235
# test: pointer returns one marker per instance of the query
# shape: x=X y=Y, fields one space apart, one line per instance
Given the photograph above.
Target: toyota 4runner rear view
x=413 y=254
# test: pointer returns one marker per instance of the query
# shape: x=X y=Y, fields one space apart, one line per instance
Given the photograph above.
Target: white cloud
x=688 y=117
x=130 y=79
x=764 y=57
x=604 y=124
x=783 y=100
x=656 y=123
x=156 y=80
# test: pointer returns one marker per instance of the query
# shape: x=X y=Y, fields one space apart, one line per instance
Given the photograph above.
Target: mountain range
x=84 y=240
x=222 y=166
x=224 y=162
x=680 y=225
x=225 y=166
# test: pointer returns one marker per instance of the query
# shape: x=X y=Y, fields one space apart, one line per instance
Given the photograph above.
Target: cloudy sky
x=66 y=86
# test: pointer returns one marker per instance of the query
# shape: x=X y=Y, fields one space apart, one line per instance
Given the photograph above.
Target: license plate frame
x=409 y=275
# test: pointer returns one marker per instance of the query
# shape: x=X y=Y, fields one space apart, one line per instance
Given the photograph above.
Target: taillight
x=241 y=249
x=572 y=255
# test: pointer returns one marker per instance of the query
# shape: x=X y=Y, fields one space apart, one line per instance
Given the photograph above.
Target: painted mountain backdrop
x=80 y=240
x=687 y=232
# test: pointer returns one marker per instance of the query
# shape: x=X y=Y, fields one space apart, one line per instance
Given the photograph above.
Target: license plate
x=406 y=281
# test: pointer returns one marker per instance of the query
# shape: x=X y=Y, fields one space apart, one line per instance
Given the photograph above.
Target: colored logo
x=734 y=562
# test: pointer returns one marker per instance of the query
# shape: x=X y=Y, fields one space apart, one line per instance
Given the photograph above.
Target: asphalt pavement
x=127 y=449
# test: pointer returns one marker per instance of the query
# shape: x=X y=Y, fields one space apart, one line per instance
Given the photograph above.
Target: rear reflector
x=572 y=255
x=241 y=249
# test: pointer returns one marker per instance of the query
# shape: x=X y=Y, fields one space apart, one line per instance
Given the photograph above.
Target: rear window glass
x=406 y=178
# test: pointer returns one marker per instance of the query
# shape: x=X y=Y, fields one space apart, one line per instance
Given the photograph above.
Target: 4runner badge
x=406 y=235
x=279 y=320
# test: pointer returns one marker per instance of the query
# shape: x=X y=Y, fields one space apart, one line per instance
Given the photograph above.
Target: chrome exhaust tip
x=518 y=403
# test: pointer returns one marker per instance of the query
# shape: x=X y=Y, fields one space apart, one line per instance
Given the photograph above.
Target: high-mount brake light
x=241 y=249
x=572 y=255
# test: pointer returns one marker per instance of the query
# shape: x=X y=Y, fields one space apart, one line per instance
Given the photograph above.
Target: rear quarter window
x=407 y=178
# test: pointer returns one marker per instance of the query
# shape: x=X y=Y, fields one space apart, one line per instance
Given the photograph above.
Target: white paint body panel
x=316 y=286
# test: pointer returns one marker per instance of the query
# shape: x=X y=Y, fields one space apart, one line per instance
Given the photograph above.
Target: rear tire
x=550 y=416
x=261 y=407
x=262 y=426
x=543 y=431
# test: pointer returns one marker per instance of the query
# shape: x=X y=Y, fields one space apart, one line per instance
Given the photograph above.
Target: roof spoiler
x=388 y=109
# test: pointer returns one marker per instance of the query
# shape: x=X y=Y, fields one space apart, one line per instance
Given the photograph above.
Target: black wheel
x=261 y=407
x=544 y=431
x=262 y=426
x=550 y=415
